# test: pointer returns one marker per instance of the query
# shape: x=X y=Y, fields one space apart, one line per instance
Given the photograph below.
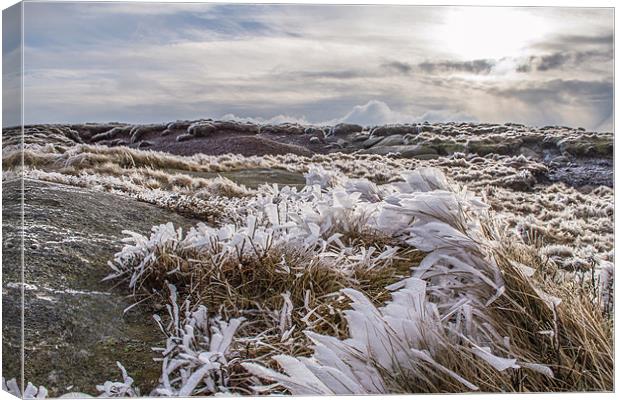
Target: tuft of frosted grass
x=197 y=354
x=119 y=389
x=438 y=313
x=30 y=392
x=106 y=389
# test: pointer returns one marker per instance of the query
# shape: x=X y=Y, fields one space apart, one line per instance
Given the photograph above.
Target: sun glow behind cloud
x=490 y=32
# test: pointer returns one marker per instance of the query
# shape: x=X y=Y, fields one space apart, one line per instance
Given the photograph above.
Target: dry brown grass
x=574 y=338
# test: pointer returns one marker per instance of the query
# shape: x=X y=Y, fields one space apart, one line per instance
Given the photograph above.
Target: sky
x=140 y=63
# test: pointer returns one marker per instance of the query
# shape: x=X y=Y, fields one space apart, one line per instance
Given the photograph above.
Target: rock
x=371 y=141
x=201 y=129
x=360 y=137
x=494 y=145
x=138 y=131
x=235 y=126
x=75 y=327
x=111 y=134
x=397 y=129
x=283 y=129
x=407 y=151
x=449 y=147
x=313 y=130
x=600 y=145
x=179 y=125
x=184 y=137
x=392 y=140
x=345 y=129
x=118 y=142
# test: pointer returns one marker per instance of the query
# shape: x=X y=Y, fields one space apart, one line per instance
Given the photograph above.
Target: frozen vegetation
x=451 y=259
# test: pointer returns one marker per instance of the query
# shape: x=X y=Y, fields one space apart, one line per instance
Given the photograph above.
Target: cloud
x=400 y=67
x=561 y=60
x=148 y=63
x=376 y=112
x=278 y=119
x=568 y=42
x=555 y=102
x=472 y=67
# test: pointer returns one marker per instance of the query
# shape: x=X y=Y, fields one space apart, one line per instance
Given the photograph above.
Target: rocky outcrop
x=407 y=151
x=345 y=129
x=75 y=324
x=388 y=130
x=283 y=129
x=403 y=140
x=138 y=131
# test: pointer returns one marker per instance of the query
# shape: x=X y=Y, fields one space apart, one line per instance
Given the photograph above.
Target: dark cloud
x=340 y=74
x=569 y=42
x=561 y=91
x=472 y=67
x=559 y=60
x=400 y=67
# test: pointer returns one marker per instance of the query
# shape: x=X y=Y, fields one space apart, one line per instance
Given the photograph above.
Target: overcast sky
x=144 y=62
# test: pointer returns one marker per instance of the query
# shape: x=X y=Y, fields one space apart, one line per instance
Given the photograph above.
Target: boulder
x=201 y=129
x=144 y=144
x=314 y=131
x=76 y=326
x=360 y=137
x=179 y=125
x=283 y=129
x=235 y=126
x=397 y=129
x=345 y=129
x=407 y=151
x=392 y=140
x=185 y=137
x=111 y=134
x=371 y=141
x=138 y=131
x=448 y=147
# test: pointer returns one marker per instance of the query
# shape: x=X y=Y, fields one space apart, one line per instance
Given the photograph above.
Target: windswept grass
x=351 y=286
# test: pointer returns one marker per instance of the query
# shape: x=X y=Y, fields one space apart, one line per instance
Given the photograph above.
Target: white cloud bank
x=374 y=112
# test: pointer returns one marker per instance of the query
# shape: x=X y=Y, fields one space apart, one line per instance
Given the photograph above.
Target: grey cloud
x=559 y=60
x=339 y=74
x=473 y=67
x=400 y=67
x=562 y=91
x=559 y=99
x=569 y=42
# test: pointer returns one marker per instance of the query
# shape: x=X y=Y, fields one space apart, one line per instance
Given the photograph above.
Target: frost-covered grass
x=407 y=282
x=543 y=215
x=476 y=313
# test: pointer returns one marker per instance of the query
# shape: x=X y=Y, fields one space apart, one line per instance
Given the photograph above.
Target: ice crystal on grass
x=196 y=357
